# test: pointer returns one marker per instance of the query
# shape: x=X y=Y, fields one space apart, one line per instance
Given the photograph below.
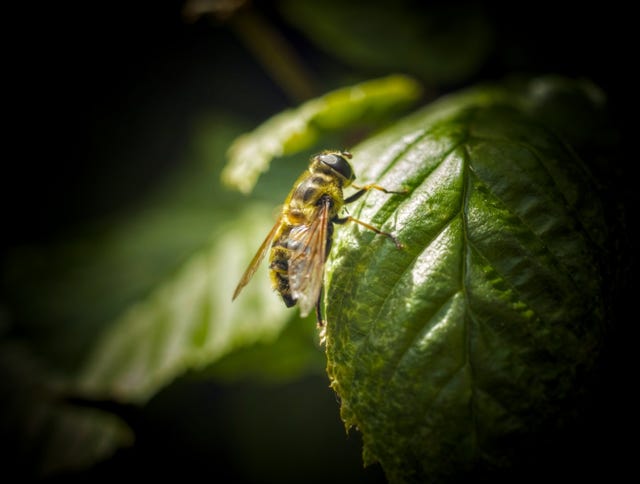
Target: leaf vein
x=464 y=209
x=569 y=273
x=417 y=333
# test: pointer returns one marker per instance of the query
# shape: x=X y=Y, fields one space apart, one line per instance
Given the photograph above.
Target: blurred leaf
x=440 y=43
x=454 y=353
x=296 y=129
x=43 y=434
x=188 y=322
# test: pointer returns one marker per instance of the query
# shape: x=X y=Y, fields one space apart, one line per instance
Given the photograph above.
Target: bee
x=301 y=238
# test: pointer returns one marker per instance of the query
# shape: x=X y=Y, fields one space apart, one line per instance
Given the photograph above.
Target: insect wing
x=255 y=262
x=306 y=266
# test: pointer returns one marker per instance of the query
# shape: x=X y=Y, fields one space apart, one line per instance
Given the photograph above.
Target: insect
x=301 y=238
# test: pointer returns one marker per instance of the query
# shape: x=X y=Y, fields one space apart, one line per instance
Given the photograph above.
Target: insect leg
x=319 y=321
x=371 y=186
x=349 y=218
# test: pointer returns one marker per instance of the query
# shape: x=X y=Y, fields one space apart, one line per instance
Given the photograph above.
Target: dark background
x=103 y=91
x=101 y=98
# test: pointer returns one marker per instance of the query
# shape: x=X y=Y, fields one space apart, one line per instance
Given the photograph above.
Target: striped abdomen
x=279 y=266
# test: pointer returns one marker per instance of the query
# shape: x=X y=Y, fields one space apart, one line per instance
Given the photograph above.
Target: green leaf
x=188 y=322
x=449 y=355
x=296 y=129
x=441 y=43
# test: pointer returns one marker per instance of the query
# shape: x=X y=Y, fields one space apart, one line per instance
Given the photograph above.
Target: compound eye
x=339 y=164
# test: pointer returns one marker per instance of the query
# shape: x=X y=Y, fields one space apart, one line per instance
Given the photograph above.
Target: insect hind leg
x=319 y=320
x=349 y=218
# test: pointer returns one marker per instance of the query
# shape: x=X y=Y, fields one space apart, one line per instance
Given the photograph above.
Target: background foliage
x=117 y=228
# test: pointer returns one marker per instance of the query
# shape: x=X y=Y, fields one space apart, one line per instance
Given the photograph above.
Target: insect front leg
x=349 y=218
x=371 y=186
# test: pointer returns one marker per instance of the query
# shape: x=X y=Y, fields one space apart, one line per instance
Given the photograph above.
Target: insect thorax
x=306 y=197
